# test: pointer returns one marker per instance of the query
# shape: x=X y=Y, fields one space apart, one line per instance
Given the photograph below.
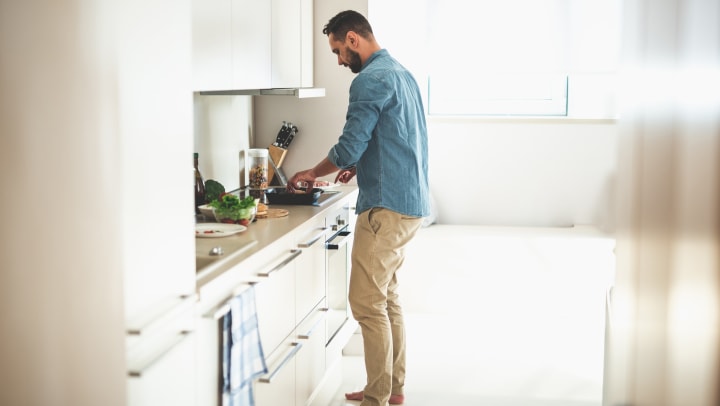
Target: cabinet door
x=292 y=43
x=310 y=270
x=311 y=360
x=251 y=41
x=161 y=358
x=231 y=44
x=212 y=44
x=155 y=125
x=275 y=298
x=167 y=380
x=277 y=387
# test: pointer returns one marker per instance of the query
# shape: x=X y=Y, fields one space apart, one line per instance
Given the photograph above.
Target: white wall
x=223 y=130
x=522 y=172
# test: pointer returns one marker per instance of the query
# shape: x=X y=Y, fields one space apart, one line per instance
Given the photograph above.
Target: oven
x=338 y=248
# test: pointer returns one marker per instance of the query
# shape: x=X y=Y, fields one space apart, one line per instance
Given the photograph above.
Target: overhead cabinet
x=249 y=45
x=292 y=43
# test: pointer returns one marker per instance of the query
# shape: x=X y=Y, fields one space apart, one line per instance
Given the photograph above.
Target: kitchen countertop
x=259 y=234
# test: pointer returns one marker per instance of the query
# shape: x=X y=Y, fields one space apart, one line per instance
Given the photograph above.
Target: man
x=384 y=142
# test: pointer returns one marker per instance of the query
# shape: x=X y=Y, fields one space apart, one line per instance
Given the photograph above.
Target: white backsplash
x=223 y=132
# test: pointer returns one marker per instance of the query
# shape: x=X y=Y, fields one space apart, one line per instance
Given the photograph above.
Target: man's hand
x=303 y=179
x=307 y=177
x=345 y=175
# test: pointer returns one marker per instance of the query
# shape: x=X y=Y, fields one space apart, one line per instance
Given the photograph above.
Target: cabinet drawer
x=169 y=379
x=310 y=271
x=311 y=360
x=277 y=387
x=275 y=298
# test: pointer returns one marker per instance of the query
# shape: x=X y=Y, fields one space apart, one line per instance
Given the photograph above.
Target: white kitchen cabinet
x=310 y=281
x=166 y=381
x=231 y=44
x=292 y=43
x=161 y=358
x=294 y=288
x=296 y=368
x=212 y=44
x=278 y=386
x=251 y=39
x=288 y=273
x=275 y=298
x=311 y=311
x=155 y=110
x=248 y=45
x=310 y=365
x=155 y=122
x=271 y=272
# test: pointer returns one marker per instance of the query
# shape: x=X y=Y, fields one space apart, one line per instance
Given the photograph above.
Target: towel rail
x=218 y=312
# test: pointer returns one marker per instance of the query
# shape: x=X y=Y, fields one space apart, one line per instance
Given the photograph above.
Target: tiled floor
x=523 y=330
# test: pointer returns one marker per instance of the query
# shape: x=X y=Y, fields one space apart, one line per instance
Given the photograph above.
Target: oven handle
x=293 y=254
x=290 y=356
x=343 y=236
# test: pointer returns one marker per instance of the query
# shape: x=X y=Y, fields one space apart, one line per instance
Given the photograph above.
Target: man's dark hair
x=346 y=21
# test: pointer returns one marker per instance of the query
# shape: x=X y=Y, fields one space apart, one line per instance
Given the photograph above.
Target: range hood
x=300 y=93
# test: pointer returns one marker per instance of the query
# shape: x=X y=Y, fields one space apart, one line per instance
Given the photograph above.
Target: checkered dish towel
x=243 y=357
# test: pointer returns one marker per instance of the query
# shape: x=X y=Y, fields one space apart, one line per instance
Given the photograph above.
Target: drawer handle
x=315 y=325
x=224 y=308
x=293 y=254
x=290 y=356
x=313 y=240
x=343 y=237
x=139 y=371
x=174 y=306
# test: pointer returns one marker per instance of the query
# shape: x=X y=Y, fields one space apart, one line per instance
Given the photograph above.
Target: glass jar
x=258 y=168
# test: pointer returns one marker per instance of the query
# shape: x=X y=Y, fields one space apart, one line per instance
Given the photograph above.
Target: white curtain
x=663 y=336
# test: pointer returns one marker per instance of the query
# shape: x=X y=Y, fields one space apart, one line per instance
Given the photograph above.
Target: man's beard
x=355 y=64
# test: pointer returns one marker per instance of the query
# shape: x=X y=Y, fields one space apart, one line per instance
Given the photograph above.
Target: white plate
x=215 y=230
x=330 y=186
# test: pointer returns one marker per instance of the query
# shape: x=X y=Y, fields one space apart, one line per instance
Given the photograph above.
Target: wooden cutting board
x=272 y=213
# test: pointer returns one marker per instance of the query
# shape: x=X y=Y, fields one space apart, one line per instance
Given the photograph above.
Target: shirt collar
x=374 y=56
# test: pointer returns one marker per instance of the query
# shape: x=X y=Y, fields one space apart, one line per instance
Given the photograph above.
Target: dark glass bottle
x=199 y=185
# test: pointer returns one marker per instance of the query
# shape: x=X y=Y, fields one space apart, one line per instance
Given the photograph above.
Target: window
x=514 y=94
x=506 y=57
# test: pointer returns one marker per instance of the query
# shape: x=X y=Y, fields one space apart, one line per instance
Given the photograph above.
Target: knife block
x=277 y=155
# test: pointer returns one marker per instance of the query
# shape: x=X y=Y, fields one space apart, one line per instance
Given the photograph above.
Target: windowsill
x=522 y=119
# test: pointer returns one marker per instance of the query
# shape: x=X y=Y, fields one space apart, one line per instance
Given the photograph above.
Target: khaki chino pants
x=378 y=252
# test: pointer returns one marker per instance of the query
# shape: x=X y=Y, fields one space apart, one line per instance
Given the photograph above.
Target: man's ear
x=352 y=39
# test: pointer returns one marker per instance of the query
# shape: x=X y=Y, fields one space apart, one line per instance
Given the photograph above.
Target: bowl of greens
x=229 y=208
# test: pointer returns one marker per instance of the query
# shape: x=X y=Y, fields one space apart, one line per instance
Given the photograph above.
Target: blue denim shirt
x=385 y=138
